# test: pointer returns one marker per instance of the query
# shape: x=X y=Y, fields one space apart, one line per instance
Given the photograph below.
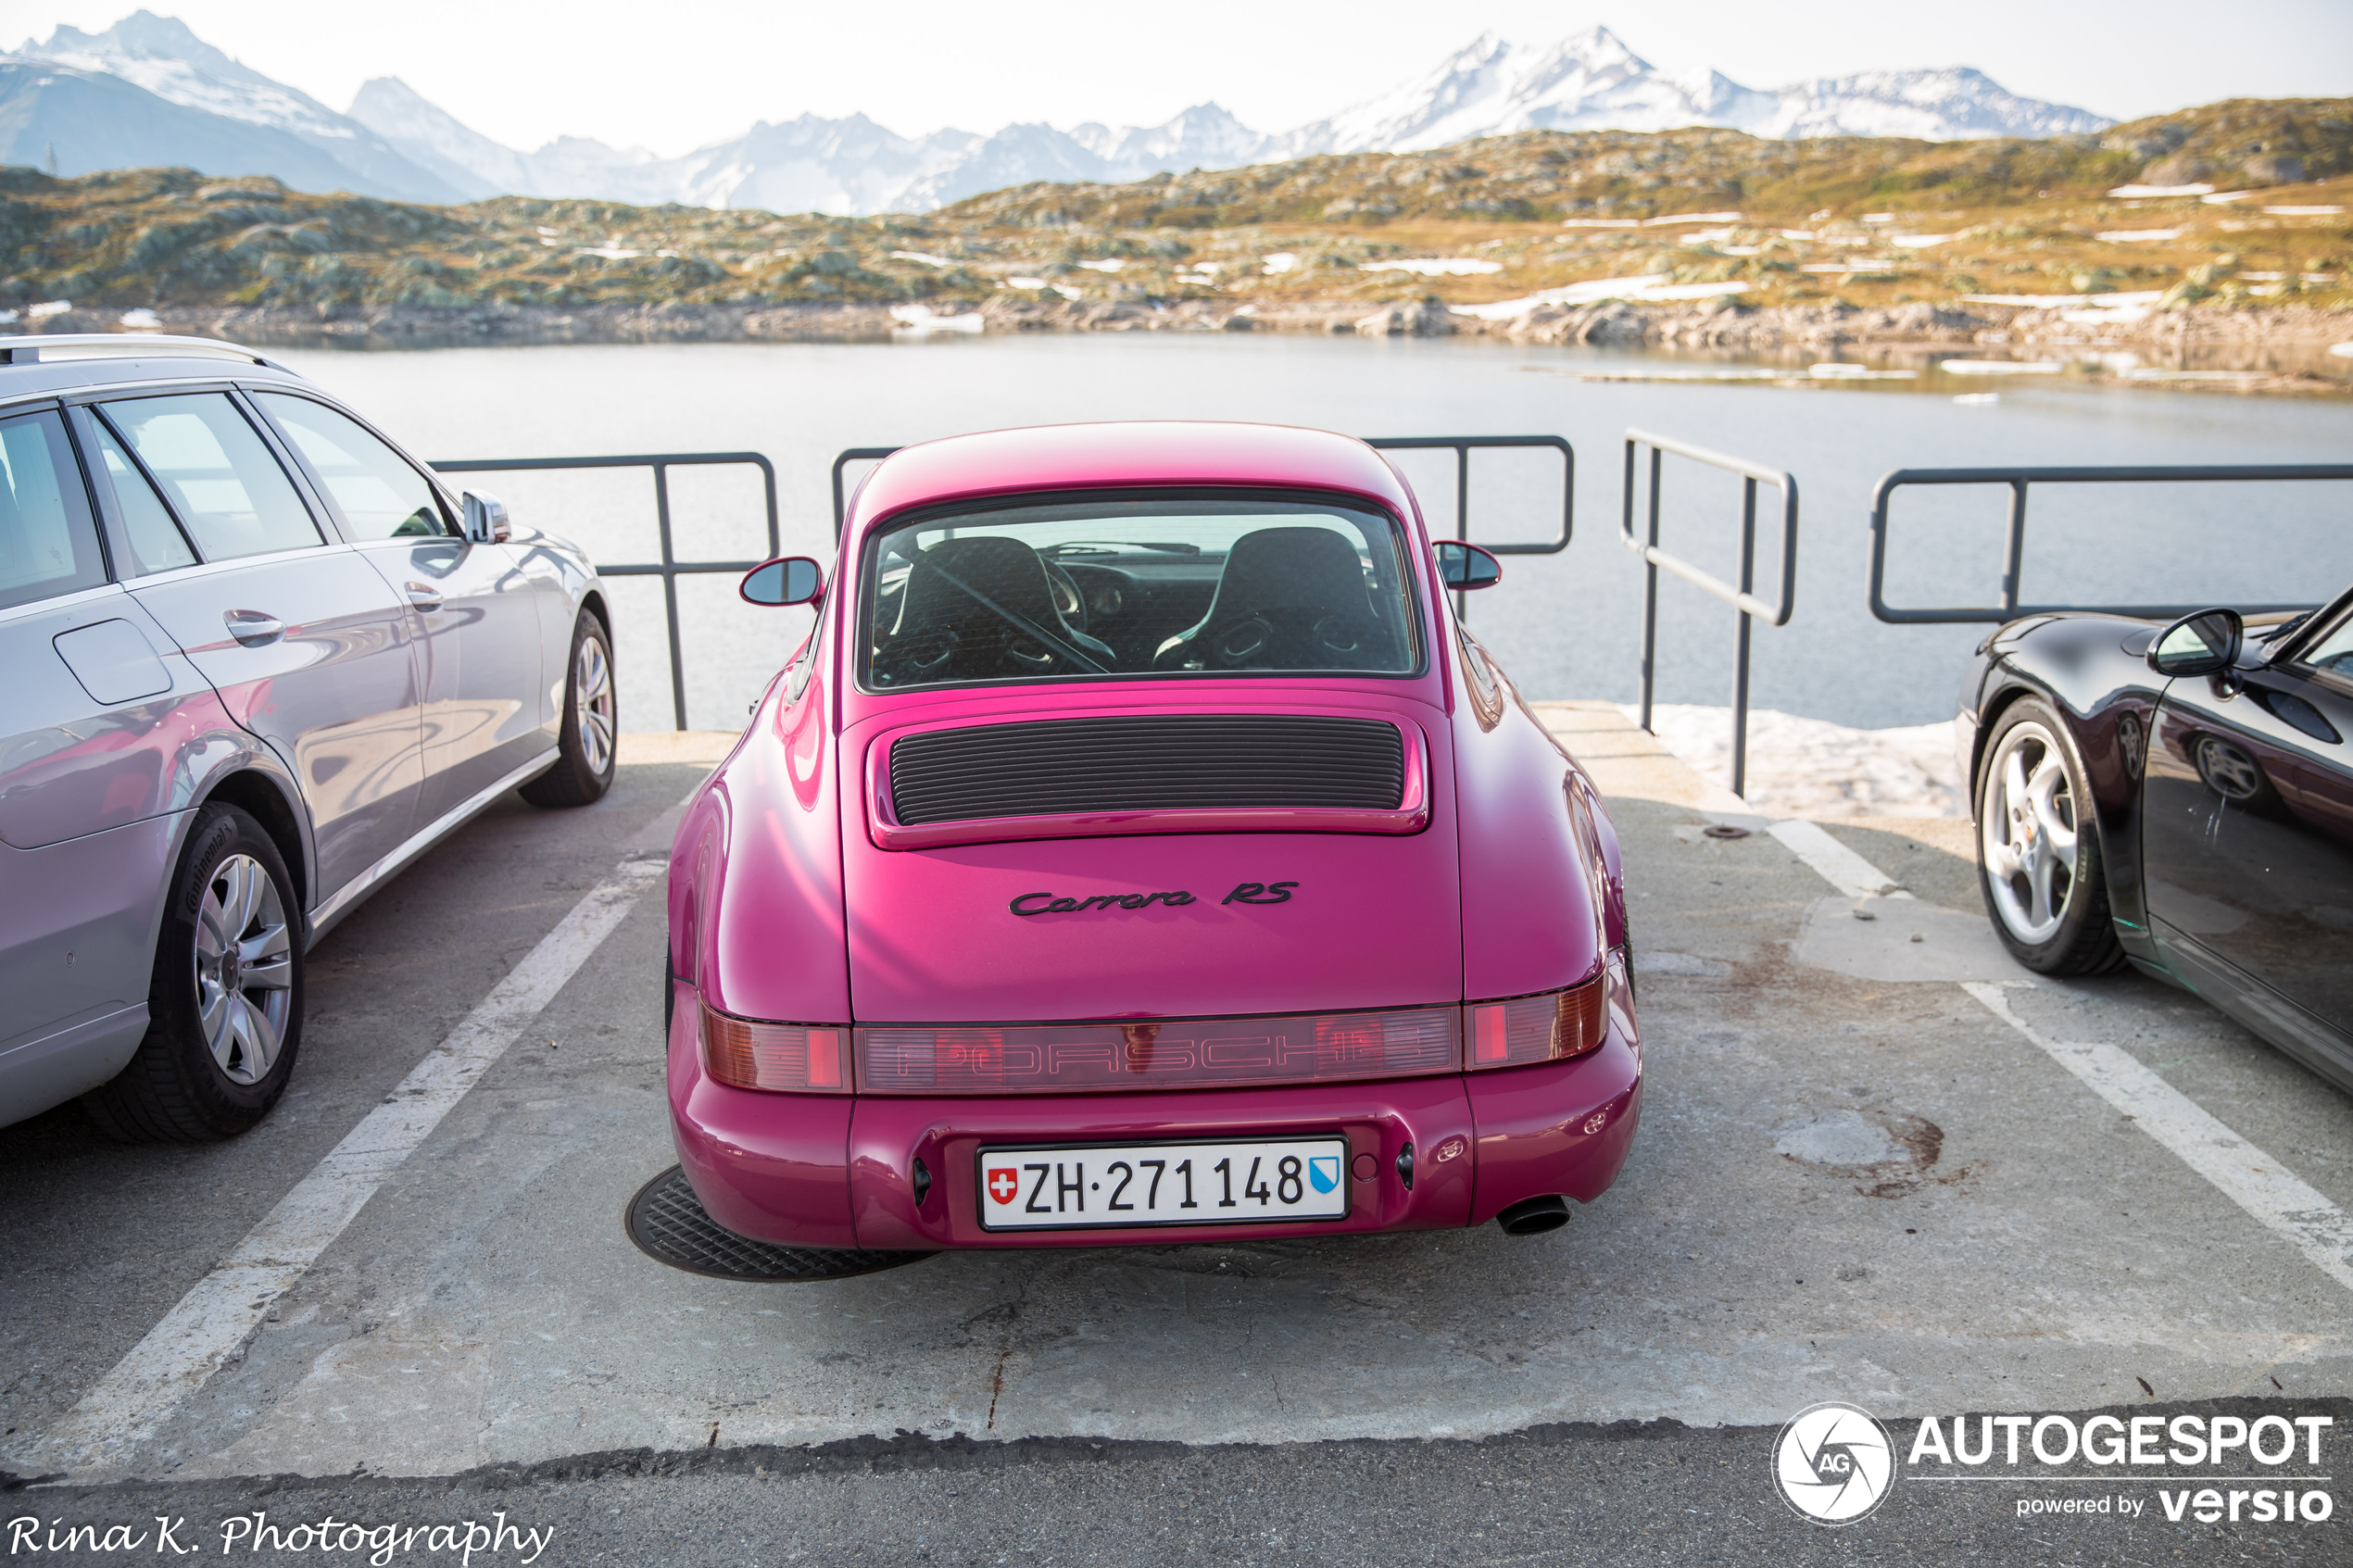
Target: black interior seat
x=961 y=617
x=1289 y=599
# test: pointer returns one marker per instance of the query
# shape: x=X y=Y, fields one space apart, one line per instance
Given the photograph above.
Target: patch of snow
x=921 y=318
x=141 y=320
x=1918 y=242
x=47 y=309
x=2000 y=367
x=2143 y=193
x=1111 y=265
x=2224 y=198
x=1653 y=286
x=2067 y=301
x=936 y=260
x=2324 y=211
x=1814 y=767
x=611 y=253
x=2137 y=236
x=1434 y=266
x=1025 y=282
x=1879 y=218
x=1834 y=371
x=2341 y=350
x=1601 y=222
x=1281 y=261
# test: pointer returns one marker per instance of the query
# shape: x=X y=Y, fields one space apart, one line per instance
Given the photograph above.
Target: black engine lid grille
x=1147 y=763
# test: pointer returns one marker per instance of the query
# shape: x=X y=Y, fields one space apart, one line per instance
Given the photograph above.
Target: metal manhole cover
x=669 y=1225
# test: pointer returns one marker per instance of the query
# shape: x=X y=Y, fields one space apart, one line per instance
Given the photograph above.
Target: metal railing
x=670 y=568
x=2014 y=548
x=1461 y=446
x=1741 y=597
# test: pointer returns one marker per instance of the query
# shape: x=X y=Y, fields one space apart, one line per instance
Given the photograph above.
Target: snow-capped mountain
x=162 y=57
x=1936 y=105
x=1592 y=81
x=148 y=90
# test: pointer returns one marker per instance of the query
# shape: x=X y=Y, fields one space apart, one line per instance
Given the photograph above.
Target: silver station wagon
x=254 y=658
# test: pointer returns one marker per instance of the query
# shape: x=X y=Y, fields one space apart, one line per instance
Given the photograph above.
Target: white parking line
x=2249 y=1177
x=2276 y=1199
x=1834 y=861
x=133 y=1401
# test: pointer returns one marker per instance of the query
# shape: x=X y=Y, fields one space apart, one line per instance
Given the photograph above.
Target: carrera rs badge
x=1244 y=893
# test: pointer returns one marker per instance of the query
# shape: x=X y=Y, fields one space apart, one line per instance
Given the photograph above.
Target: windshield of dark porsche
x=1062 y=590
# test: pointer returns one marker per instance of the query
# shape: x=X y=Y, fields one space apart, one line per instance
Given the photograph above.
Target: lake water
x=1565 y=625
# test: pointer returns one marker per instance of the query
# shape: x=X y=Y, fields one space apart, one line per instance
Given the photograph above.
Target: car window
x=156 y=543
x=379 y=494
x=219 y=475
x=48 y=543
x=1140 y=586
x=2334 y=651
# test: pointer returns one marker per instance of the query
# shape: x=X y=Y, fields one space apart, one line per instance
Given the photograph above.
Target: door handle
x=251 y=627
x=424 y=596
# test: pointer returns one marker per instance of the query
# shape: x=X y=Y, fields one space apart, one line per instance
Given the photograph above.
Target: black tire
x=175 y=1089
x=2060 y=925
x=586 y=752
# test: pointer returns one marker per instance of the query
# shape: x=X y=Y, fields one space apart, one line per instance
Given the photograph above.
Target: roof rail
x=31 y=347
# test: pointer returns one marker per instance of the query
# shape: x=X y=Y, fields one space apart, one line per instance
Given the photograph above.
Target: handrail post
x=2014 y=547
x=1739 y=660
x=669 y=594
x=1649 y=591
x=1462 y=521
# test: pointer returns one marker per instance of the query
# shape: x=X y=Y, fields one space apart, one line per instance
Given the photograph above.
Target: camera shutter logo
x=1834 y=1463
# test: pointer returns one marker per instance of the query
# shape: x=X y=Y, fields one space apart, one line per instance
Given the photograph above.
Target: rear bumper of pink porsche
x=837 y=1170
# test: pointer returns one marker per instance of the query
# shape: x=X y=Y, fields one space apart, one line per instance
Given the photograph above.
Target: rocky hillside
x=2235 y=206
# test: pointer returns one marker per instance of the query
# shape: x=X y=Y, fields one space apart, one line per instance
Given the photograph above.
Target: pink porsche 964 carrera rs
x=1139 y=851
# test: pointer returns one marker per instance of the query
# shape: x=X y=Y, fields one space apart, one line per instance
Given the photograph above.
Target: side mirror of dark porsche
x=788 y=579
x=1463 y=567
x=2204 y=644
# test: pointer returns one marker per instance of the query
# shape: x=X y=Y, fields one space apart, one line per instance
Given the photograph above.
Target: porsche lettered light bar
x=1172 y=1054
x=745 y=1055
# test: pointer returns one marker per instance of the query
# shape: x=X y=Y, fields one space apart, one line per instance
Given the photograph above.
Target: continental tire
x=586 y=751
x=2039 y=865
x=224 y=1003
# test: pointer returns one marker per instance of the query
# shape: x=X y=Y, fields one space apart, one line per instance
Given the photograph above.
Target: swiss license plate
x=1169 y=1183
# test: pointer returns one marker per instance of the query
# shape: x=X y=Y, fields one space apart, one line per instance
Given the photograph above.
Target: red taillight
x=1552 y=1027
x=1172 y=1054
x=800 y=1057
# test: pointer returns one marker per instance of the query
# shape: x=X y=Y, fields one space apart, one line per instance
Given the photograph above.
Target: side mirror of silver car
x=486 y=520
x=2204 y=644
x=788 y=579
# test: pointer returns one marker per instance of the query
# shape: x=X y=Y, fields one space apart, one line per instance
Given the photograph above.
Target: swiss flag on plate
x=1004 y=1184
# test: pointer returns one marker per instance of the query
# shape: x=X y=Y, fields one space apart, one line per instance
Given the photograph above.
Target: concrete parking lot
x=1877 y=1163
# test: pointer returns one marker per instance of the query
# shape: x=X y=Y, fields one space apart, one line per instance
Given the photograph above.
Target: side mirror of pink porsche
x=788 y=579
x=1463 y=567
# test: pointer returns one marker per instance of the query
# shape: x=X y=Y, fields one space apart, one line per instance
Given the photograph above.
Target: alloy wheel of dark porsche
x=2038 y=846
x=668 y=1223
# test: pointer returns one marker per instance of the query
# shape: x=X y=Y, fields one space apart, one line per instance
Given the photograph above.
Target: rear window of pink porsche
x=1137 y=586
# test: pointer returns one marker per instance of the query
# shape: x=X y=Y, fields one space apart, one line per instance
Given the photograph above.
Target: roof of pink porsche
x=1095 y=457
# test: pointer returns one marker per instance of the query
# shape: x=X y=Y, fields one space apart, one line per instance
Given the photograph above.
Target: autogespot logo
x=1834 y=1463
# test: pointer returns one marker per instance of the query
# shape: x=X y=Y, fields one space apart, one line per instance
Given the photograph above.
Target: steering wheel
x=1068 y=600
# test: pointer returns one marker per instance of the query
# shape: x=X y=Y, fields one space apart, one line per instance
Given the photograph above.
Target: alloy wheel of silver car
x=2028 y=833
x=243 y=955
x=593 y=703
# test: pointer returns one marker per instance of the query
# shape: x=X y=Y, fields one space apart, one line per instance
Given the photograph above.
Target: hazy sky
x=679 y=74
